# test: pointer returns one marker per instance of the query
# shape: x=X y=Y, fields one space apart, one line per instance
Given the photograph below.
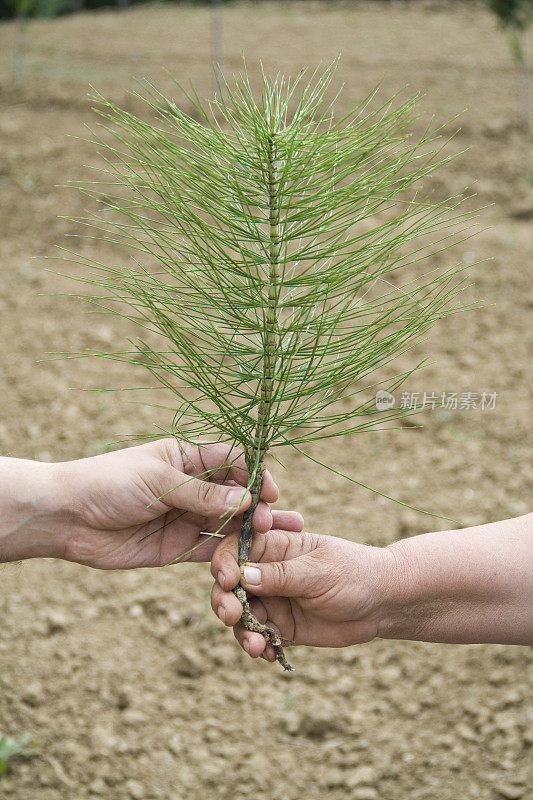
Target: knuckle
x=311 y=541
x=280 y=573
x=287 y=540
x=170 y=449
x=206 y=492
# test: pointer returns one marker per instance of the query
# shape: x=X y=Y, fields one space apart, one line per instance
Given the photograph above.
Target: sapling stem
x=270 y=357
x=247 y=529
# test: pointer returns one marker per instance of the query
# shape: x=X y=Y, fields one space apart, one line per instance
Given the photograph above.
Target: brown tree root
x=249 y=620
x=251 y=623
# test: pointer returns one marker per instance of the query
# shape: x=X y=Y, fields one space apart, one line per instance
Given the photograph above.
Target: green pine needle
x=273 y=255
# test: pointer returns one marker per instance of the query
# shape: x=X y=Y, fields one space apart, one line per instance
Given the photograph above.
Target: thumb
x=202 y=497
x=279 y=578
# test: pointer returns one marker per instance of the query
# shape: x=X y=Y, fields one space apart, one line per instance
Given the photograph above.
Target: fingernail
x=221 y=612
x=235 y=498
x=246 y=646
x=252 y=575
x=221 y=578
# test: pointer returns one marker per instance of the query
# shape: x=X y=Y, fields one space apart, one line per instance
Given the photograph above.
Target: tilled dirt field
x=126 y=683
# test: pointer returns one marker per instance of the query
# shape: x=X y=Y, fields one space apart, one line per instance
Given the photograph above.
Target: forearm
x=30 y=510
x=468 y=586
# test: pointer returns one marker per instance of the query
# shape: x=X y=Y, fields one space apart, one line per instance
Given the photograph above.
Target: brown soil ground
x=127 y=684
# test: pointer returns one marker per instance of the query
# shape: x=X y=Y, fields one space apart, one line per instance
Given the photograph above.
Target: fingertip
x=227 y=574
x=233 y=612
x=269 y=653
x=288 y=521
x=254 y=644
x=250 y=576
x=269 y=489
x=224 y=564
x=226 y=606
x=262 y=518
x=299 y=522
x=237 y=501
x=230 y=574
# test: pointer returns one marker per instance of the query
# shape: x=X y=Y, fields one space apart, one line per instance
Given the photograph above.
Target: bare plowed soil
x=126 y=683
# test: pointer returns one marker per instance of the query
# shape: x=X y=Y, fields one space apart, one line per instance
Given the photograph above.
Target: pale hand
x=143 y=506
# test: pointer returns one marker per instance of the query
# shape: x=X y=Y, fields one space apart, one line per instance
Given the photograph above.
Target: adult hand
x=139 y=507
x=314 y=590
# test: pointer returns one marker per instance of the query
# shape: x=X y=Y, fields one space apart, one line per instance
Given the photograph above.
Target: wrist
x=374 y=594
x=34 y=519
x=402 y=594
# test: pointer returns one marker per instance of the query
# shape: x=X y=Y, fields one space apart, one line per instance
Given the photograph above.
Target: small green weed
x=11 y=746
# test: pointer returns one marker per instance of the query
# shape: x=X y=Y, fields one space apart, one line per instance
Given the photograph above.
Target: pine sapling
x=277 y=255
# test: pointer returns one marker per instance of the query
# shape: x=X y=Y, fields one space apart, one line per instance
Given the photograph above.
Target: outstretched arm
x=139 y=507
x=471 y=585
